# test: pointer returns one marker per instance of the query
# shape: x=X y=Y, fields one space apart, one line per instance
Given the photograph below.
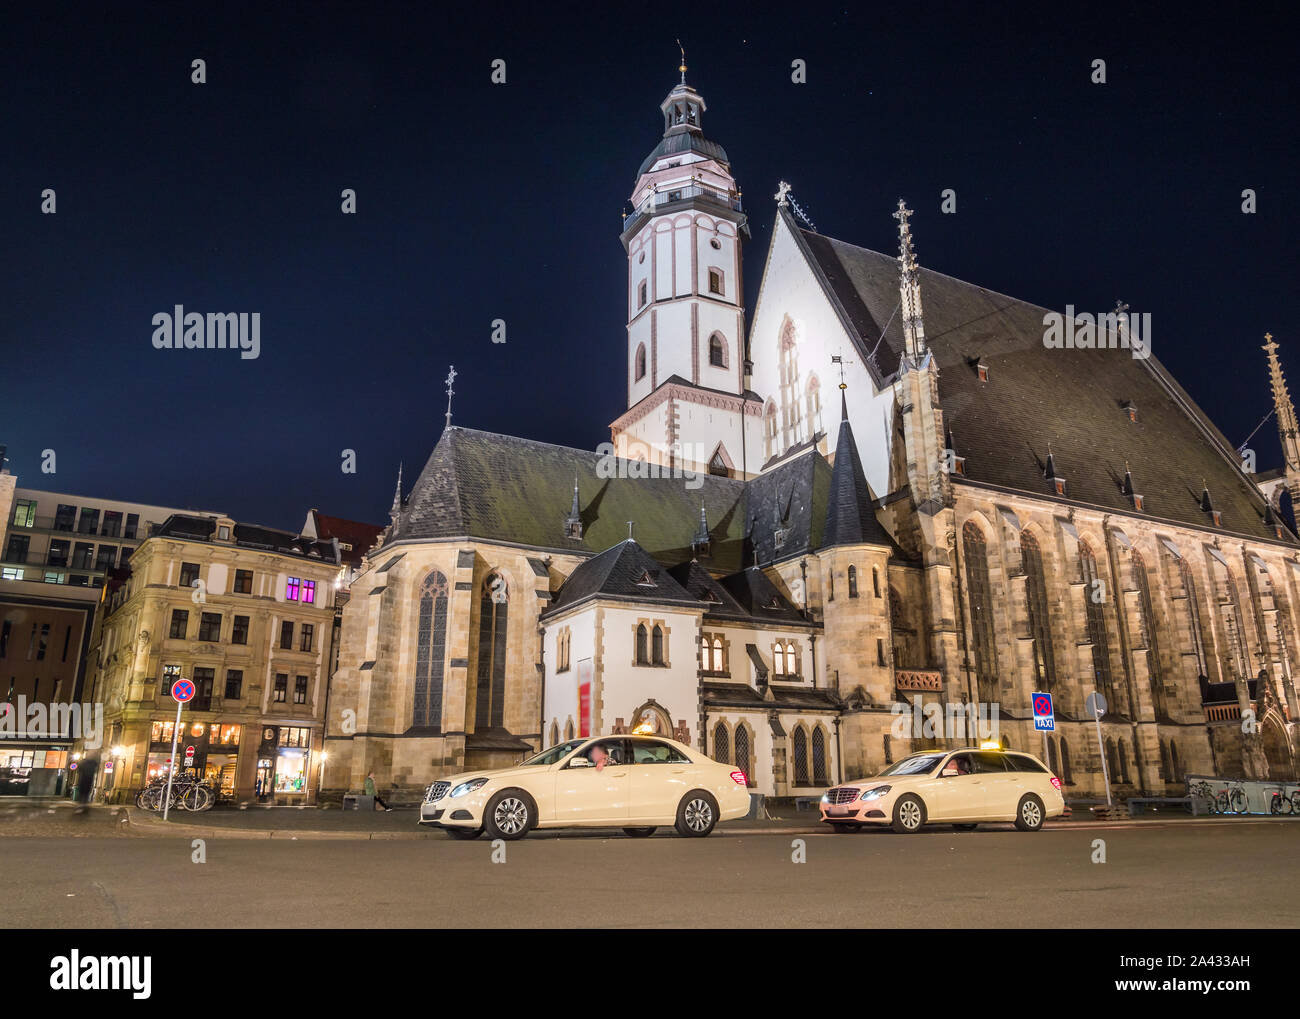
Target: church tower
x=689 y=405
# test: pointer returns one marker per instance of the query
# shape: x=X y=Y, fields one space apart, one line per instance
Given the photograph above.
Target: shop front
x=207 y=750
x=284 y=763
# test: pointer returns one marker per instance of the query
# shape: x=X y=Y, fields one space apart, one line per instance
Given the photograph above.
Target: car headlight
x=826 y=797
x=874 y=794
x=468 y=787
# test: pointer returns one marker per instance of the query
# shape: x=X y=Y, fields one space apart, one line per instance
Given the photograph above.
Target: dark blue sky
x=479 y=202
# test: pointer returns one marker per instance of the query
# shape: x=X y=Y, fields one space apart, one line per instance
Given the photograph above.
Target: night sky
x=479 y=201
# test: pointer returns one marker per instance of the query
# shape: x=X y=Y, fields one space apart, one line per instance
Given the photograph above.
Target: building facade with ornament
x=879 y=499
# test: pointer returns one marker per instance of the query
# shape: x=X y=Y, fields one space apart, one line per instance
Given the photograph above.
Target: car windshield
x=557 y=753
x=917 y=765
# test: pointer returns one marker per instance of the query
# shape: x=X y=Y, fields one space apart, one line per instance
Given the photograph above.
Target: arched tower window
x=490 y=700
x=431 y=651
x=853 y=581
x=717 y=351
x=1094 y=607
x=979 y=597
x=640 y=362
x=1040 y=621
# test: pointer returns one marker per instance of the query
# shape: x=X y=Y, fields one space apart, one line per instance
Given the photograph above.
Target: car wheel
x=842 y=827
x=1030 y=813
x=464 y=834
x=640 y=833
x=909 y=815
x=509 y=815
x=965 y=827
x=697 y=814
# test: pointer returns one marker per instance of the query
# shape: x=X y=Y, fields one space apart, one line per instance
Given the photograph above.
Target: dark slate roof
x=620 y=572
x=1072 y=399
x=742 y=695
x=684 y=141
x=498 y=487
x=786 y=508
x=268 y=539
x=850 y=510
x=760 y=598
x=725 y=606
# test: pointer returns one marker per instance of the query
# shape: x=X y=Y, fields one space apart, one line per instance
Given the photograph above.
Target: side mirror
x=580 y=762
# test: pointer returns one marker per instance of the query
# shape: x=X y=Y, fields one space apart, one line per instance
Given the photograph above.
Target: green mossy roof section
x=1035 y=395
x=498 y=487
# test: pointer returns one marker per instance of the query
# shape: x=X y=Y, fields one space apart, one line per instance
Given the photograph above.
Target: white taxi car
x=633 y=782
x=961 y=787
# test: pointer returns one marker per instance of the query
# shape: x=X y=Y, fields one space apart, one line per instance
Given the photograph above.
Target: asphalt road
x=1239 y=874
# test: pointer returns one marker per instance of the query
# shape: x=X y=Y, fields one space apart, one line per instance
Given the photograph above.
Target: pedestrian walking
x=371 y=791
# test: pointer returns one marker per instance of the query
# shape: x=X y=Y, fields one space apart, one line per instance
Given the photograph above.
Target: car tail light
x=1056 y=782
x=739 y=777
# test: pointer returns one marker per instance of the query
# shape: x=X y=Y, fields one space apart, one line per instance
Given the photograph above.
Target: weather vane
x=682 y=68
x=451 y=377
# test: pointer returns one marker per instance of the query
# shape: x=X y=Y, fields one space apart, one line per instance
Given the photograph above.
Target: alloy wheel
x=1030 y=814
x=511 y=815
x=909 y=812
x=699 y=815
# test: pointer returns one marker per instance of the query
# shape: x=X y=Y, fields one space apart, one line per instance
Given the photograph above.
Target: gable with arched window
x=490 y=699
x=431 y=650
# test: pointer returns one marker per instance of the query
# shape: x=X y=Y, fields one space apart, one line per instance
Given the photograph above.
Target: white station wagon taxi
x=960 y=787
x=633 y=782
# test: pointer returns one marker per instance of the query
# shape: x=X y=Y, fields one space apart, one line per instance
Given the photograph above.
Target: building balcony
x=700 y=194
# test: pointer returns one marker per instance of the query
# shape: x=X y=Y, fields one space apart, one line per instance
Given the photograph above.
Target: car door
x=1002 y=785
x=958 y=792
x=661 y=776
x=585 y=795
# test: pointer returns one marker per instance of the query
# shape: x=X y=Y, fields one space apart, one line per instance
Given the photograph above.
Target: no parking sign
x=1044 y=717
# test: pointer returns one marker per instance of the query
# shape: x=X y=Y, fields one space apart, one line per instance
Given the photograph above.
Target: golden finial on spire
x=682 y=68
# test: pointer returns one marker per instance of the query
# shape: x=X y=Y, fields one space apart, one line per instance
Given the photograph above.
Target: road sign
x=1095 y=705
x=189 y=753
x=1044 y=717
x=182 y=690
x=108 y=766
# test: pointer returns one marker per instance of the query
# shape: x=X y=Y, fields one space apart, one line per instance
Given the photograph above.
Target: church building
x=825 y=524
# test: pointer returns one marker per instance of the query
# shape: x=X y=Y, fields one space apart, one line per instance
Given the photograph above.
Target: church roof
x=685 y=141
x=760 y=598
x=738 y=597
x=625 y=571
x=1034 y=395
x=502 y=488
x=850 y=511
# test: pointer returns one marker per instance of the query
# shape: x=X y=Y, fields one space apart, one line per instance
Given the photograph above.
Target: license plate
x=840 y=811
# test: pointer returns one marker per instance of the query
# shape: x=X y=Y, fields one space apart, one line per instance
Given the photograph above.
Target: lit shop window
x=291 y=589
x=309 y=592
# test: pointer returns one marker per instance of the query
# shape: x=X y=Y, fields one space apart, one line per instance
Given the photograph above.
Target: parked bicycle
x=1282 y=802
x=1204 y=791
x=187 y=793
x=1231 y=800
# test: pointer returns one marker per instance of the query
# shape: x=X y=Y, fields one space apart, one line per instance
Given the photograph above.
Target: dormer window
x=1130 y=408
x=710 y=597
x=1137 y=502
x=1059 y=482
x=982 y=371
x=646 y=580
x=1217 y=517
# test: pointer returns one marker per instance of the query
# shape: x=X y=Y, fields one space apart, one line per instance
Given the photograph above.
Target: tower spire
x=909 y=286
x=682 y=68
x=451 y=377
x=1288 y=430
x=396 y=509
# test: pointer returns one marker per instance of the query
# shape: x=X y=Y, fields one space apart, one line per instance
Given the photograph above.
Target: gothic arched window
x=431 y=651
x=717 y=351
x=657 y=646
x=799 y=749
x=490 y=701
x=1065 y=763
x=853 y=581
x=642 y=648
x=743 y=744
x=640 y=362
x=814 y=399
x=1094 y=603
x=721 y=744
x=820 y=774
x=555 y=732
x=975 y=550
x=1150 y=637
x=1040 y=620
x=1192 y=620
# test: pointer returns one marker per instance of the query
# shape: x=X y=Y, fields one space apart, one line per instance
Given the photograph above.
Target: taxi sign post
x=1044 y=721
x=182 y=690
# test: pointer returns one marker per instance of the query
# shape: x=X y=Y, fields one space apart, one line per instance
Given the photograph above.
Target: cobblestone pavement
x=43 y=818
